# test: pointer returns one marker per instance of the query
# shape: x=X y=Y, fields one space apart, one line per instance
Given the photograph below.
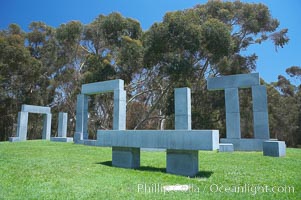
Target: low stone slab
x=167 y=139
x=250 y=144
x=274 y=148
x=89 y=142
x=15 y=139
x=61 y=139
x=226 y=147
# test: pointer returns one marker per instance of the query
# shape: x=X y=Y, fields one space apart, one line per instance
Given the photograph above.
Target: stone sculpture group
x=182 y=144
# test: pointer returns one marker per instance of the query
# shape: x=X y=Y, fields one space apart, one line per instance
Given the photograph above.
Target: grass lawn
x=49 y=170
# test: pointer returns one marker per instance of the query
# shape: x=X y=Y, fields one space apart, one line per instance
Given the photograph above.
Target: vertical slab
x=46 y=127
x=81 y=131
x=119 y=113
x=182 y=162
x=232 y=113
x=62 y=124
x=126 y=157
x=182 y=109
x=22 y=125
x=260 y=112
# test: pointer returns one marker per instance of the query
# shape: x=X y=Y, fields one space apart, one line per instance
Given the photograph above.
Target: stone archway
x=23 y=122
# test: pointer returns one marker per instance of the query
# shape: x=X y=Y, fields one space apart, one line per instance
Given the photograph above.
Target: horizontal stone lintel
x=233 y=81
x=102 y=87
x=167 y=139
x=36 y=109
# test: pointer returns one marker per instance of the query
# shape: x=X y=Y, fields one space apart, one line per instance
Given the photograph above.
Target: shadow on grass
x=200 y=174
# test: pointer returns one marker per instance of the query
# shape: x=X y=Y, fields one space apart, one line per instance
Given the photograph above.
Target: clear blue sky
x=55 y=12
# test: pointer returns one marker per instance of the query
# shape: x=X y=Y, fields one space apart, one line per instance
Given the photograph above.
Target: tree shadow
x=200 y=174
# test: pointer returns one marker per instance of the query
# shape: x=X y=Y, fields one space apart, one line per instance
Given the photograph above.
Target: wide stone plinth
x=168 y=139
x=61 y=139
x=274 y=148
x=251 y=144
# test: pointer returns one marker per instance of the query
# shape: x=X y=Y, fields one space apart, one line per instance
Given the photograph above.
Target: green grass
x=48 y=170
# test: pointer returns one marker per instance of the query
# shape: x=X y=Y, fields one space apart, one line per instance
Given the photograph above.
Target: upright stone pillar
x=81 y=131
x=125 y=157
x=182 y=109
x=62 y=125
x=232 y=113
x=119 y=116
x=46 y=127
x=182 y=162
x=260 y=112
x=22 y=125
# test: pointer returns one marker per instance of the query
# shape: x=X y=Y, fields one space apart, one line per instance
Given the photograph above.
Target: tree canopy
x=47 y=66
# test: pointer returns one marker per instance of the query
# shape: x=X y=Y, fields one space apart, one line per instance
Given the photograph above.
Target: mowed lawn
x=49 y=170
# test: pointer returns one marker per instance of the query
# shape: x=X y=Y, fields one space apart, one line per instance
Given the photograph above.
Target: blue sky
x=55 y=12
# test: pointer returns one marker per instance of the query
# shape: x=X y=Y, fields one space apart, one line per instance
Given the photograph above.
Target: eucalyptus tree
x=208 y=40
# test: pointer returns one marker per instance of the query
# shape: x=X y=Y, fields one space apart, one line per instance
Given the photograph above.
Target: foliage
x=47 y=66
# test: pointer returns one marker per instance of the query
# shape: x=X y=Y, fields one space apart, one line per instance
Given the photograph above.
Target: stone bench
x=182 y=147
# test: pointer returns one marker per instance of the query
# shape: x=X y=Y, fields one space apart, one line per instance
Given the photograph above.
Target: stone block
x=82 y=115
x=233 y=81
x=102 y=87
x=77 y=138
x=35 y=109
x=119 y=112
x=126 y=157
x=90 y=142
x=226 y=147
x=233 y=125
x=46 y=127
x=274 y=148
x=22 y=125
x=183 y=122
x=181 y=162
x=261 y=125
x=259 y=98
x=232 y=100
x=182 y=101
x=182 y=109
x=244 y=144
x=168 y=139
x=62 y=124
x=14 y=139
x=61 y=139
